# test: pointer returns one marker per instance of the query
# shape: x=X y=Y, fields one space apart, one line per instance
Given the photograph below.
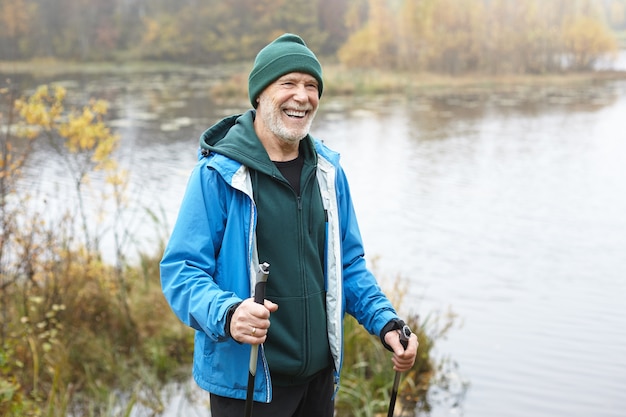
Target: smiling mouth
x=298 y=114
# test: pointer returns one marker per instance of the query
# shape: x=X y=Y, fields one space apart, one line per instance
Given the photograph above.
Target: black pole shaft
x=394 y=395
x=405 y=334
x=250 y=391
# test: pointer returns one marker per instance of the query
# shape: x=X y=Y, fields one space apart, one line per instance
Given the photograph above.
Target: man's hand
x=403 y=359
x=251 y=321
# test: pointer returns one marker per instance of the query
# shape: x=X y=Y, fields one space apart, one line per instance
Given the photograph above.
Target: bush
x=368 y=375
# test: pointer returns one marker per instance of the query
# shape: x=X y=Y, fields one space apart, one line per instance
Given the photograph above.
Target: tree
x=80 y=137
x=585 y=40
x=332 y=23
x=15 y=22
x=415 y=37
x=616 y=14
x=374 y=44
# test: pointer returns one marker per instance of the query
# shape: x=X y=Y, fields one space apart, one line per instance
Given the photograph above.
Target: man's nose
x=301 y=93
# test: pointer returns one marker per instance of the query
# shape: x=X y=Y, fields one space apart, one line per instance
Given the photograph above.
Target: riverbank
x=430 y=84
x=339 y=81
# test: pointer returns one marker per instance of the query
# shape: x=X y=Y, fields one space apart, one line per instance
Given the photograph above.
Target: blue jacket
x=210 y=263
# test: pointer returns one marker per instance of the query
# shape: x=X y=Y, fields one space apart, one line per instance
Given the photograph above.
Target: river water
x=509 y=209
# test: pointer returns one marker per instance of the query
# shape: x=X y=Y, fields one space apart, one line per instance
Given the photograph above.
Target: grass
x=75 y=330
x=342 y=82
x=338 y=80
x=367 y=375
x=72 y=346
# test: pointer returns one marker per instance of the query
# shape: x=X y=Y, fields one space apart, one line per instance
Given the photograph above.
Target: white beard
x=274 y=122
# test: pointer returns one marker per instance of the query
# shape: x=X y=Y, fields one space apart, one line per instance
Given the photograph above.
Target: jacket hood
x=234 y=137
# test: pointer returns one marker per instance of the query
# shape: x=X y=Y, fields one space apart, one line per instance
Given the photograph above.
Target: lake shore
x=339 y=81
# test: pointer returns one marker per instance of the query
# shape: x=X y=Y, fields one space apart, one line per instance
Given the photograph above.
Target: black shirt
x=291 y=170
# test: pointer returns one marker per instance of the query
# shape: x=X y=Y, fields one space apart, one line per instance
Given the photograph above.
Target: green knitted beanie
x=287 y=53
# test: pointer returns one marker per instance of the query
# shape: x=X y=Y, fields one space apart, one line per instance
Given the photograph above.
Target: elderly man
x=265 y=189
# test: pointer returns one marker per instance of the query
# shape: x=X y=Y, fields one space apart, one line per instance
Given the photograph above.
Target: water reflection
x=509 y=208
x=508 y=211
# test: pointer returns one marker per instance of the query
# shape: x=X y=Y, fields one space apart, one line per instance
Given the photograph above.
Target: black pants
x=313 y=399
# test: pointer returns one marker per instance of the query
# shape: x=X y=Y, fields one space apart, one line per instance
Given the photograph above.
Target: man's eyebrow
x=289 y=77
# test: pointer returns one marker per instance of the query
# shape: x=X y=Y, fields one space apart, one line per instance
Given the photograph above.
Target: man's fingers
x=250 y=322
x=404 y=359
x=271 y=307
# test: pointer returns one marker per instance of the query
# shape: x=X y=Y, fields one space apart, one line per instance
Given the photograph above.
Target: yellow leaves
x=100 y=107
x=585 y=39
x=33 y=113
x=86 y=132
x=43 y=108
x=118 y=179
x=476 y=35
x=82 y=131
x=165 y=35
x=151 y=31
x=81 y=139
x=374 y=44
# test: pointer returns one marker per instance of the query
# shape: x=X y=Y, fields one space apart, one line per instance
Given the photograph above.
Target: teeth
x=295 y=113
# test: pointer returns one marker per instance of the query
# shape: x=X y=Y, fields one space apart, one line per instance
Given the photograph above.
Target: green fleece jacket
x=291 y=238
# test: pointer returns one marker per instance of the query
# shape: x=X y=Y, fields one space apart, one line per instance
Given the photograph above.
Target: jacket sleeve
x=189 y=262
x=363 y=296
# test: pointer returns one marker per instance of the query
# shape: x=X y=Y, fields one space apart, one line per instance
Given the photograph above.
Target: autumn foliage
x=477 y=36
x=445 y=36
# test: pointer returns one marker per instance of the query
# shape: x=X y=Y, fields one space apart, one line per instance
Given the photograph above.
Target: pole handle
x=405 y=334
x=261 y=281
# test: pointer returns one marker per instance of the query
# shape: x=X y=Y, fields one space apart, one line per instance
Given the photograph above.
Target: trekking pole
x=259 y=296
x=405 y=334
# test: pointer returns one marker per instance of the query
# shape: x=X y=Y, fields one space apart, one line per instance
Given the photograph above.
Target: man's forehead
x=297 y=76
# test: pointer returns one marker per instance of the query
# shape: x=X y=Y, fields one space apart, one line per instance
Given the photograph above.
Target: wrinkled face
x=287 y=107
